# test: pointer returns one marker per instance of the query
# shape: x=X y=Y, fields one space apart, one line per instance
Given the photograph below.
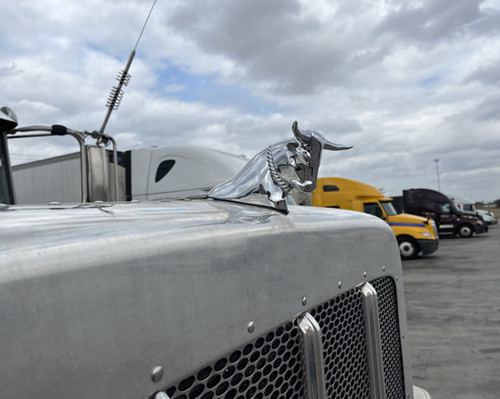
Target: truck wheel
x=408 y=248
x=465 y=230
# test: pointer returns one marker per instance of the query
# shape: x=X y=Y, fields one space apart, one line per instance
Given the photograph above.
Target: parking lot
x=453 y=311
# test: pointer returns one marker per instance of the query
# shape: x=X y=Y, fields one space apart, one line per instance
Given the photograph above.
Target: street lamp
x=437 y=172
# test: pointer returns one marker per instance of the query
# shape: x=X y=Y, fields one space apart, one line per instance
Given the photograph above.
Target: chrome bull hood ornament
x=270 y=176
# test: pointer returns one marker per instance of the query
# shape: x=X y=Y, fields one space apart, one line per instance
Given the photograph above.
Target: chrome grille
x=434 y=227
x=389 y=329
x=344 y=348
x=271 y=366
x=268 y=367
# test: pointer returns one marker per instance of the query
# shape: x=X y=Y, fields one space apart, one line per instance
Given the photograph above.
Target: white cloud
x=405 y=82
x=174 y=88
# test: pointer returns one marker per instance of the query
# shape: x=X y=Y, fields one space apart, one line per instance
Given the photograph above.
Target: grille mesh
x=271 y=366
x=344 y=349
x=390 y=334
x=268 y=367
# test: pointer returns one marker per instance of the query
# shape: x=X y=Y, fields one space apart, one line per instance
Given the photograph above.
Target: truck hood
x=407 y=219
x=113 y=289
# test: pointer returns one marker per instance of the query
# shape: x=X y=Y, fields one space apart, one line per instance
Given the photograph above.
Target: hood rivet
x=251 y=327
x=157 y=374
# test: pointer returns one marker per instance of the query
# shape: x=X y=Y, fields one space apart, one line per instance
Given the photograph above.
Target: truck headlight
x=426 y=234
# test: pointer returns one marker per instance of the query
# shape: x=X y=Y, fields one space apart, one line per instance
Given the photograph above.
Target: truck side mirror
x=8 y=119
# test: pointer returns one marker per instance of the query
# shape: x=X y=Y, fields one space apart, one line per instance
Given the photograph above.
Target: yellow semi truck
x=414 y=234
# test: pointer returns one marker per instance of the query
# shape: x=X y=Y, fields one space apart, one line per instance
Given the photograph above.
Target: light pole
x=437 y=172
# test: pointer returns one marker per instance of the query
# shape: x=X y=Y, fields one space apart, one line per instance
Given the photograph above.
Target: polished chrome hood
x=103 y=293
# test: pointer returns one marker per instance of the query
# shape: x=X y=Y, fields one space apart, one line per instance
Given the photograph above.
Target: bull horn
x=335 y=147
x=304 y=137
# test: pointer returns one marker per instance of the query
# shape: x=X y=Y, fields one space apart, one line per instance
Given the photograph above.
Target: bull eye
x=292 y=146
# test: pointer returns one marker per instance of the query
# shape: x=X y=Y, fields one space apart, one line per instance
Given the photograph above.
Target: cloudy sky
x=403 y=81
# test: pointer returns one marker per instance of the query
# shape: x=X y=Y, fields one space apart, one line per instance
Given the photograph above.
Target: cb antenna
x=116 y=95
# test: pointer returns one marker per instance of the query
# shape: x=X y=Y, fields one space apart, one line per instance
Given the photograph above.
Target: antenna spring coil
x=124 y=78
x=115 y=98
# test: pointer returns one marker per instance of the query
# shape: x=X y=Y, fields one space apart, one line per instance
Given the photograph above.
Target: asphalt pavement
x=453 y=311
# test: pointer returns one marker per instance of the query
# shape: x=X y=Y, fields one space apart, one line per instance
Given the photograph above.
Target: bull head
x=274 y=172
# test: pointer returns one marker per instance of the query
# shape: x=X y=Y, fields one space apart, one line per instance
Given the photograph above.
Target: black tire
x=465 y=230
x=408 y=248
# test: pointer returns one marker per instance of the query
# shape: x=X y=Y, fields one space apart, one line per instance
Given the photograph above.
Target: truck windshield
x=5 y=190
x=388 y=208
x=469 y=207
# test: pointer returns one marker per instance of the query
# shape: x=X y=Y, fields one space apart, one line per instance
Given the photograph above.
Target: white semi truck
x=233 y=294
x=146 y=173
